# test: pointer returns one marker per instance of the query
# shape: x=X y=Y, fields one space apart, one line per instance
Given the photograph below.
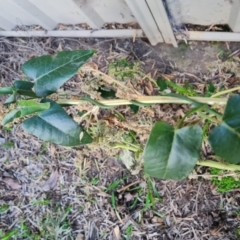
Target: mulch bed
x=39 y=196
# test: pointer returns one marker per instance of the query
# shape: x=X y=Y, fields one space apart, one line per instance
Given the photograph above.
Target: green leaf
x=24 y=88
x=107 y=93
x=134 y=108
x=6 y=90
x=190 y=89
x=12 y=98
x=172 y=153
x=119 y=116
x=178 y=88
x=30 y=106
x=51 y=72
x=161 y=84
x=54 y=125
x=210 y=87
x=25 y=107
x=225 y=138
x=9 y=235
x=11 y=116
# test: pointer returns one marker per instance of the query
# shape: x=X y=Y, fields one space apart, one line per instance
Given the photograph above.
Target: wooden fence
x=158 y=20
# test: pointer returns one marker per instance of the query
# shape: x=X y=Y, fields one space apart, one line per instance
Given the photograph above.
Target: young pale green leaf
x=12 y=98
x=51 y=72
x=30 y=106
x=25 y=107
x=178 y=88
x=54 y=125
x=24 y=88
x=11 y=116
x=6 y=90
x=225 y=138
x=172 y=153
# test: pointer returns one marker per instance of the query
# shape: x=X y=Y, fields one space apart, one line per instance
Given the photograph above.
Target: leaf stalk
x=219 y=165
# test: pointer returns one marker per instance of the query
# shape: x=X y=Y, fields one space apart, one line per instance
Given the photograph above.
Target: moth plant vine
x=171 y=152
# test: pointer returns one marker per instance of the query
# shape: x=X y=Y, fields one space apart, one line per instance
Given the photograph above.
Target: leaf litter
x=71 y=202
x=51 y=183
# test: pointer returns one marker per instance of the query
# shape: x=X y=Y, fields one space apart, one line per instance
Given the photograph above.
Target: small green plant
x=152 y=195
x=122 y=69
x=9 y=235
x=128 y=232
x=171 y=152
x=238 y=232
x=4 y=208
x=7 y=145
x=226 y=184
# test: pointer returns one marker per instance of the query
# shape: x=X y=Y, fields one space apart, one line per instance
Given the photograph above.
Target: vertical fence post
x=161 y=18
x=141 y=12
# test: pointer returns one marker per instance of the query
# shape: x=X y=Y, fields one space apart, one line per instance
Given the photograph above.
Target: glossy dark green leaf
x=161 y=84
x=107 y=93
x=134 y=108
x=6 y=90
x=54 y=125
x=210 y=87
x=24 y=88
x=51 y=72
x=16 y=113
x=30 y=106
x=172 y=153
x=225 y=138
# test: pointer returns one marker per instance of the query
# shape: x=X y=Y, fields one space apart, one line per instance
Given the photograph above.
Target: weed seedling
x=40 y=202
x=9 y=235
x=128 y=232
x=113 y=186
x=152 y=195
x=95 y=181
x=4 y=208
x=8 y=145
x=226 y=184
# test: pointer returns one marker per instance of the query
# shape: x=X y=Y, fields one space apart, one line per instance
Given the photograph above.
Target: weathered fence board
x=159 y=20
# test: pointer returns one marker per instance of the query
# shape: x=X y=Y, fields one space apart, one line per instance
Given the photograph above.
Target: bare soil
x=51 y=192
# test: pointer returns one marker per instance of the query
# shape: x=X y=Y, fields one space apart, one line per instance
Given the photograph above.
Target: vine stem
x=124 y=146
x=225 y=92
x=219 y=165
x=211 y=119
x=149 y=100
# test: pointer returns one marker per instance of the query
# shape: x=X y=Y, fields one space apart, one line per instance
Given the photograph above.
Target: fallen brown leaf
x=12 y=183
x=157 y=220
x=51 y=183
